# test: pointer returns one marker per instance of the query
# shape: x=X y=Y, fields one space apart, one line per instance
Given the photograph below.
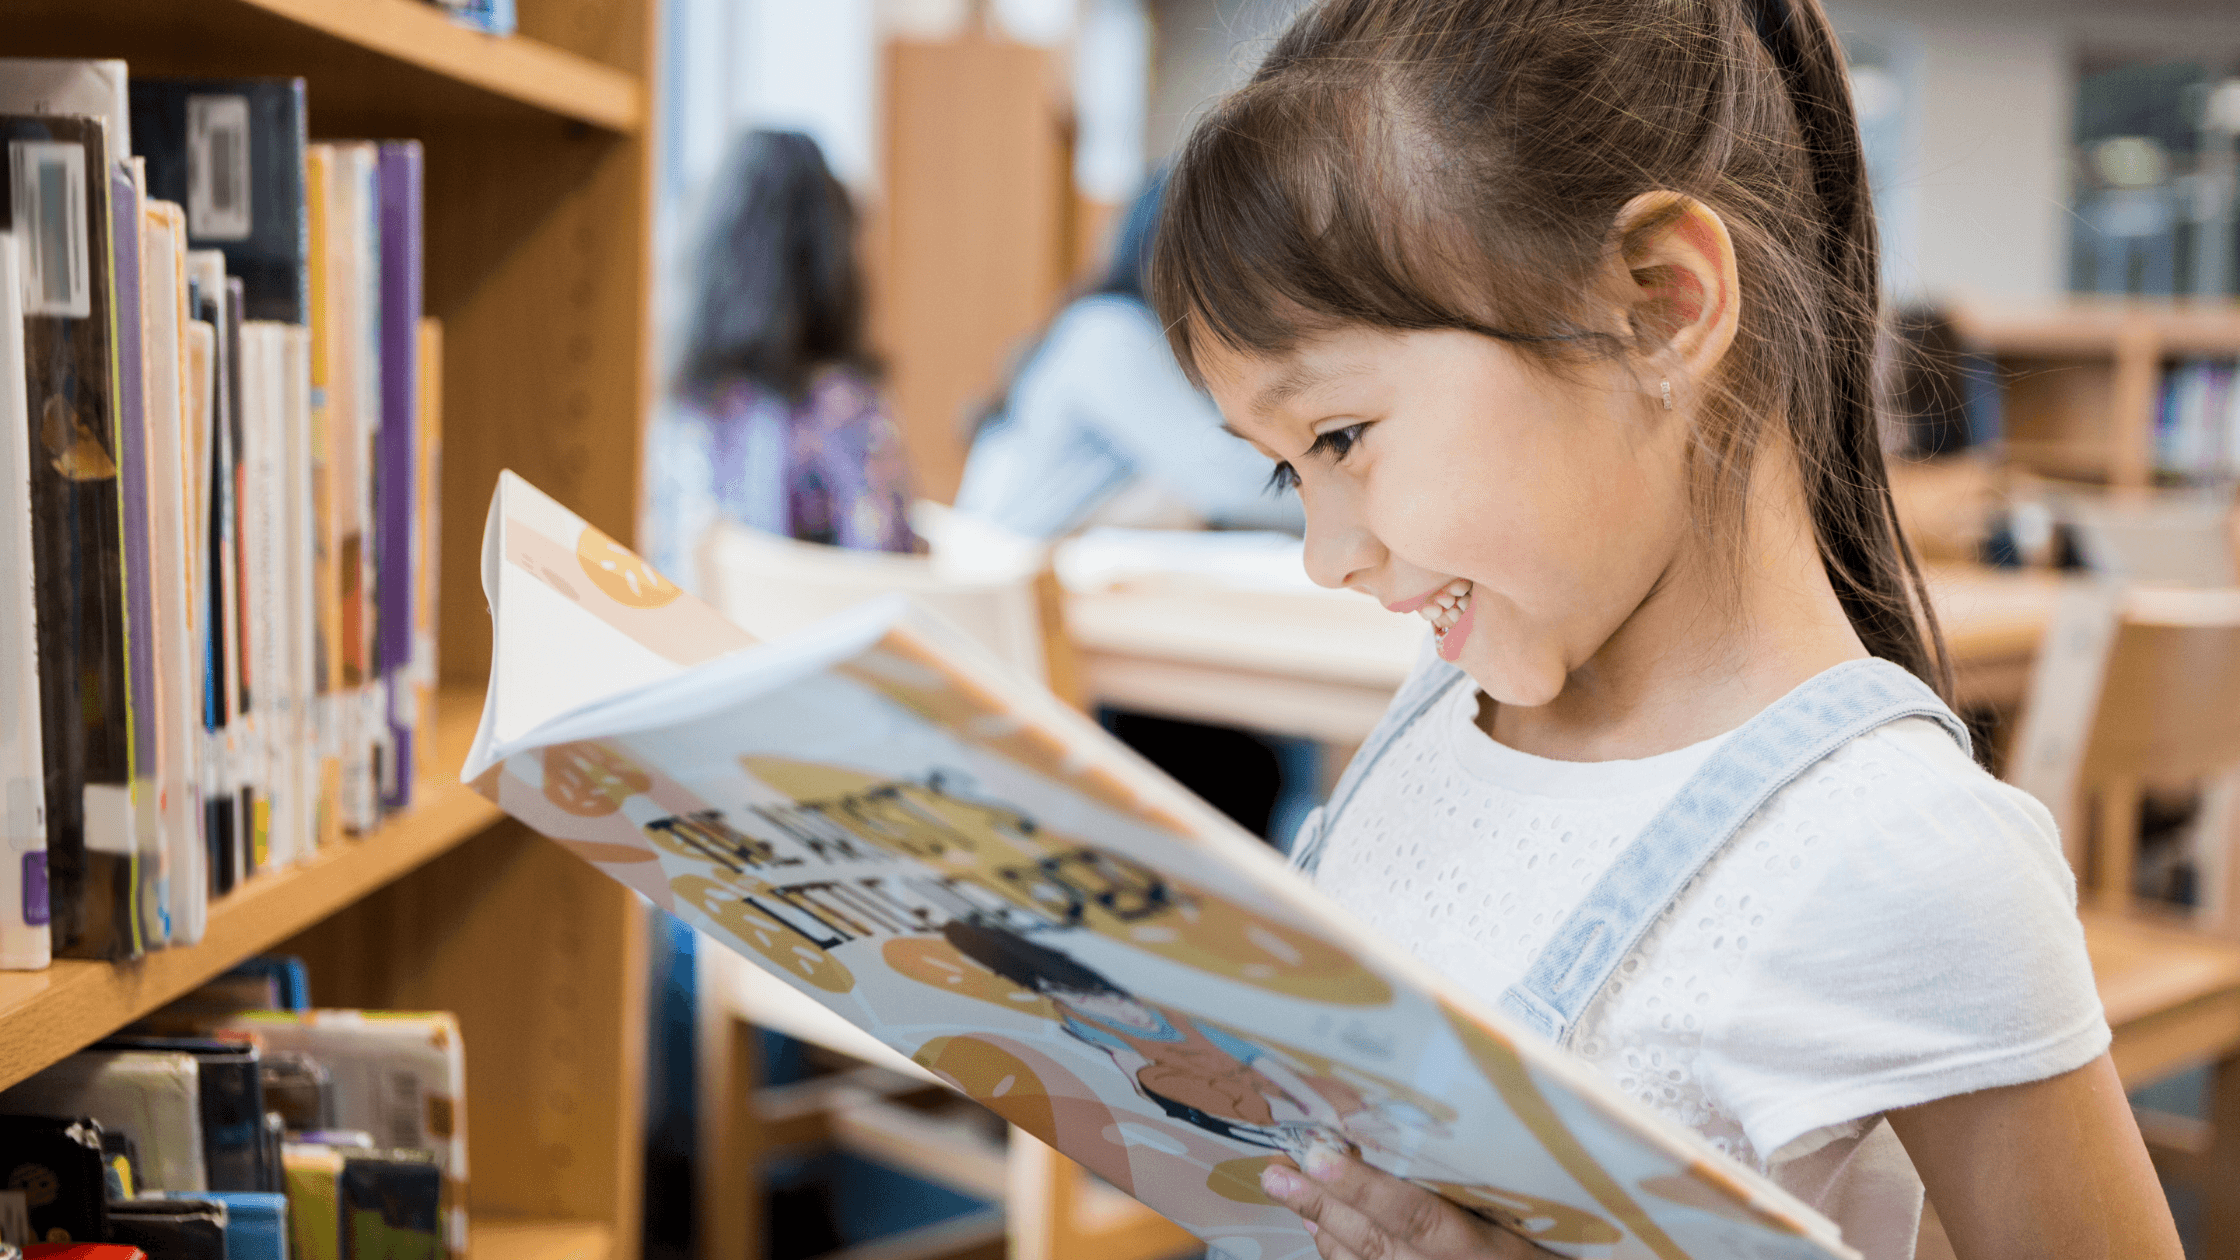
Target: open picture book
x=946 y=855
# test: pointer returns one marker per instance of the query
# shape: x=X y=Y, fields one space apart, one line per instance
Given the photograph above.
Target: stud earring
x=1666 y=387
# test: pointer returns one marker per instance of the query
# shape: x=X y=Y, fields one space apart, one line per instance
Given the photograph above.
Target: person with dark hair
x=1560 y=316
x=776 y=419
x=1195 y=1072
x=1098 y=426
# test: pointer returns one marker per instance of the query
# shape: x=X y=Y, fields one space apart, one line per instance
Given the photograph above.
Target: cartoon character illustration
x=1195 y=1071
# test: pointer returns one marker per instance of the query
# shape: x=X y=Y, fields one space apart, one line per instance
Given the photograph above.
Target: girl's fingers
x=1370 y=1213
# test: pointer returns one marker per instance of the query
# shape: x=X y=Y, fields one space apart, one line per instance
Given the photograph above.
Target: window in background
x=2153 y=174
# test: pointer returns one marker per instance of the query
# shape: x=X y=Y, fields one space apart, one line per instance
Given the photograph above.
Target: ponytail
x=1846 y=477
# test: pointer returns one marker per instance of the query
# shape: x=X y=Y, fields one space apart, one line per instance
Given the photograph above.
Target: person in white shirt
x=1560 y=319
x=1098 y=426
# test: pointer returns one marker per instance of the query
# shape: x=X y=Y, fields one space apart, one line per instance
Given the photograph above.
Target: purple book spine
x=400 y=176
x=140 y=614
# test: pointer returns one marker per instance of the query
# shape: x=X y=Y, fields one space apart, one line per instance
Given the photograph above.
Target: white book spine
x=302 y=692
x=25 y=943
x=170 y=479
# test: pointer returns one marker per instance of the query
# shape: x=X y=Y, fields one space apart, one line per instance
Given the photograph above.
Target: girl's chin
x=1510 y=681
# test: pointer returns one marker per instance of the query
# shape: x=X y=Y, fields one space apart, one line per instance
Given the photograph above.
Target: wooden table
x=1322 y=664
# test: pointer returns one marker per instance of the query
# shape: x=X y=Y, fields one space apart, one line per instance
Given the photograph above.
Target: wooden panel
x=2058 y=414
x=975 y=252
x=543 y=958
x=45 y=1015
x=537 y=264
x=395 y=60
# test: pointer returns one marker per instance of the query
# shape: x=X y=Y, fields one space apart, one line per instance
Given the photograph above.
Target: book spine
x=243 y=748
x=25 y=943
x=60 y=164
x=427 y=547
x=178 y=673
x=400 y=176
x=232 y=1123
x=325 y=530
x=300 y=609
x=149 y=894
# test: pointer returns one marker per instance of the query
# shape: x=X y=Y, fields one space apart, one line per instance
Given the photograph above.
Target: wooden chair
x=887 y=1108
x=2135 y=687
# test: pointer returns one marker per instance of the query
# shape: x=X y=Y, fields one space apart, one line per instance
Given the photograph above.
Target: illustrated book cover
x=947 y=856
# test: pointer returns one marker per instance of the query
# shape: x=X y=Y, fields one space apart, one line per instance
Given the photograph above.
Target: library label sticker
x=50 y=210
x=218 y=168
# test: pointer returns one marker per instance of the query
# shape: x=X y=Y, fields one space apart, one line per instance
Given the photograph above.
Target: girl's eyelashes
x=1334 y=445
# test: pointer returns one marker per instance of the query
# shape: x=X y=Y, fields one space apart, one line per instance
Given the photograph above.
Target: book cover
x=68 y=85
x=231 y=1092
x=392 y=1207
x=150 y=895
x=172 y=476
x=59 y=189
x=399 y=457
x=314 y=1175
x=231 y=151
x=256 y=1225
x=155 y=1096
x=25 y=943
x=399 y=1075
x=172 y=1229
x=952 y=859
x=83 y=1251
x=427 y=545
x=61 y=1154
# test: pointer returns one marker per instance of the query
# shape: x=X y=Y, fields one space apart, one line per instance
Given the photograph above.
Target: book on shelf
x=153 y=1095
x=170 y=1228
x=944 y=854
x=221 y=448
x=25 y=943
x=63 y=1155
x=59 y=167
x=2197 y=420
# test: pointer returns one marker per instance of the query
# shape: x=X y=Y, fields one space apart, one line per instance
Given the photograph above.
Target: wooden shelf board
x=2087 y=327
x=45 y=1015
x=513 y=1238
x=370 y=62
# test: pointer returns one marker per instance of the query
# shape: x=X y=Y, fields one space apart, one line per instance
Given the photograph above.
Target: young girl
x=1558 y=314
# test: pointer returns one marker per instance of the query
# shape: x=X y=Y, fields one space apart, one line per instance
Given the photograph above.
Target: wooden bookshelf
x=2082 y=376
x=45 y=1015
x=539 y=184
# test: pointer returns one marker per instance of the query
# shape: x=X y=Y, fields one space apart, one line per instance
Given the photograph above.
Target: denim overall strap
x=1432 y=679
x=1758 y=760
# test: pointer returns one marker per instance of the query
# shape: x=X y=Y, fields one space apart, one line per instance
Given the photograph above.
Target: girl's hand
x=1358 y=1213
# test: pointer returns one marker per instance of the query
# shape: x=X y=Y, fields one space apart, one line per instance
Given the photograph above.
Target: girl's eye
x=1335 y=445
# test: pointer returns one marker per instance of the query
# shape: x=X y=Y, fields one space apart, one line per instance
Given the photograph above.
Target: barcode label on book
x=218 y=168
x=50 y=210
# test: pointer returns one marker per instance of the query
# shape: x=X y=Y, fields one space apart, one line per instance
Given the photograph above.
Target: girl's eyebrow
x=1297 y=380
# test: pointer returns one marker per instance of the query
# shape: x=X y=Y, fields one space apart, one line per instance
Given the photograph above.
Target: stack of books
x=238 y=1125
x=218 y=445
x=2197 y=421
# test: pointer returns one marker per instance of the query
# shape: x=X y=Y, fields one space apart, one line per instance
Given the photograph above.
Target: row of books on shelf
x=218 y=454
x=2197 y=419
x=240 y=1124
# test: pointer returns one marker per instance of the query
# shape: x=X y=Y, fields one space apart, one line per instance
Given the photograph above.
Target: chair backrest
x=773 y=586
x=2134 y=687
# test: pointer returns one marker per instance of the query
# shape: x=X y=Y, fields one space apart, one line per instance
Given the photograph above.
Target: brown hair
x=1459 y=164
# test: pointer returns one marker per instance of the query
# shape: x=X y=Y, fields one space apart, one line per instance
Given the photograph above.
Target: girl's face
x=1445 y=468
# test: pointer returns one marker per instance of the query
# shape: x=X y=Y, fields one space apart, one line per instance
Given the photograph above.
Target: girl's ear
x=1677 y=285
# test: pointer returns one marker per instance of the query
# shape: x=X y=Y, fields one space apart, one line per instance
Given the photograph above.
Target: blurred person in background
x=1098 y=426
x=778 y=421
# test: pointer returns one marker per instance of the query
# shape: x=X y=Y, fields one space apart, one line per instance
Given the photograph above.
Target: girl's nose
x=1340 y=550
